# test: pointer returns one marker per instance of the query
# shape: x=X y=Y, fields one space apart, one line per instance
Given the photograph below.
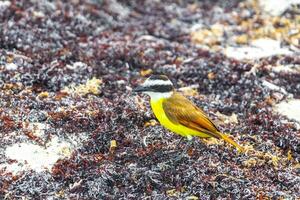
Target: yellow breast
x=159 y=112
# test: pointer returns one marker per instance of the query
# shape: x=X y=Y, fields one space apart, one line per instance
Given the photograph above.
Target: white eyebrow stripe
x=157 y=82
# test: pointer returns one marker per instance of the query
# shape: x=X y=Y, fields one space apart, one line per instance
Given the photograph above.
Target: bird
x=177 y=113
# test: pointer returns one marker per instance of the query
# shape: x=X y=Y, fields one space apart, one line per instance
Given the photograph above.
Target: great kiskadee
x=177 y=113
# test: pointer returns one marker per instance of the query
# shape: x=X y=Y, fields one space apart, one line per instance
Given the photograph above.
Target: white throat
x=150 y=82
x=155 y=96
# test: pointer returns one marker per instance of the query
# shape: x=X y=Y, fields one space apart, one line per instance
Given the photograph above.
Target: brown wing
x=180 y=110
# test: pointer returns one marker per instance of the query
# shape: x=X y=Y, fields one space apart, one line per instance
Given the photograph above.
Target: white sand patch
x=287 y=68
x=38 y=129
x=36 y=157
x=259 y=48
x=289 y=109
x=29 y=156
x=38 y=14
x=77 y=66
x=276 y=7
x=118 y=8
x=4 y=4
x=272 y=86
x=11 y=66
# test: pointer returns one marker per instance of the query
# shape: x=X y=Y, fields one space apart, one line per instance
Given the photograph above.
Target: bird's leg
x=189 y=142
x=201 y=142
x=186 y=148
x=180 y=141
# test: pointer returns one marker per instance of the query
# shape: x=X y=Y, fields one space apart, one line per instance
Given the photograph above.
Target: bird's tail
x=231 y=141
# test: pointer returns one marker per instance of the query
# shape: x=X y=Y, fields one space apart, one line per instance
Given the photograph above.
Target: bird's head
x=157 y=87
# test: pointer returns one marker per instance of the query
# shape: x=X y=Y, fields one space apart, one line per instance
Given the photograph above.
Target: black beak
x=139 y=89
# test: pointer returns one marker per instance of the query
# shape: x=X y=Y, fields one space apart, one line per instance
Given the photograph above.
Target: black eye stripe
x=160 y=88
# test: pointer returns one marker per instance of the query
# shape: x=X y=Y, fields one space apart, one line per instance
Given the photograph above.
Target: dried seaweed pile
x=67 y=70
